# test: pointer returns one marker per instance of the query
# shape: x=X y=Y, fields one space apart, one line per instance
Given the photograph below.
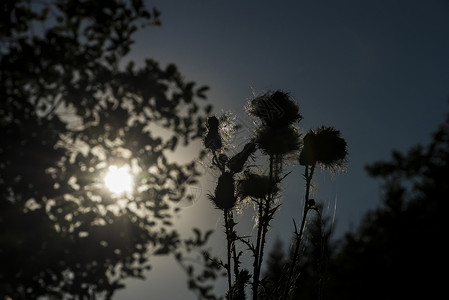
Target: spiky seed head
x=278 y=141
x=256 y=186
x=326 y=146
x=332 y=148
x=275 y=109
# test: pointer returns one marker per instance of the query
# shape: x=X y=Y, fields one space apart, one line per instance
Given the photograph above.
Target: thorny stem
x=216 y=161
x=256 y=255
x=228 y=267
x=266 y=216
x=264 y=234
x=299 y=234
x=231 y=237
x=264 y=219
x=234 y=256
x=234 y=252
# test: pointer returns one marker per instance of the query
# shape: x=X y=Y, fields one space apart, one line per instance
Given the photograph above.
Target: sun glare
x=118 y=180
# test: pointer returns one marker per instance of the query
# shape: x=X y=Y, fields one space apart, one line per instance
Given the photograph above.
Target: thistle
x=277 y=137
x=325 y=146
x=278 y=141
x=275 y=109
x=256 y=186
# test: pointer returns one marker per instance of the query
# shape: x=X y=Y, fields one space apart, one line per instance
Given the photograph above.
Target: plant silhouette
x=68 y=111
x=277 y=137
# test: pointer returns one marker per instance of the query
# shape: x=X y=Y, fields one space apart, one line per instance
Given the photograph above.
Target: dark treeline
x=398 y=250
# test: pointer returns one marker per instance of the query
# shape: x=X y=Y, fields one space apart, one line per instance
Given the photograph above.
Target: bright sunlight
x=118 y=180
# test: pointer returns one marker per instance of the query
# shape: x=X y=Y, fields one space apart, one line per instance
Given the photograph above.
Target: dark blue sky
x=376 y=70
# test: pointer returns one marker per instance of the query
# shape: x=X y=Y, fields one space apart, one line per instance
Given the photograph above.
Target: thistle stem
x=228 y=250
x=299 y=234
x=264 y=212
x=264 y=234
x=234 y=252
x=256 y=257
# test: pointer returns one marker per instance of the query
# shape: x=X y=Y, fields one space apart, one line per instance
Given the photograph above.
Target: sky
x=376 y=70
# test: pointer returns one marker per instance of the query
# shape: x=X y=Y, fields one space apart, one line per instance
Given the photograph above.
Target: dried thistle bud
x=212 y=140
x=325 y=146
x=235 y=164
x=275 y=109
x=224 y=192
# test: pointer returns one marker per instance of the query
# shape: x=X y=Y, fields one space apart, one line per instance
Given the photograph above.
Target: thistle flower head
x=256 y=186
x=224 y=192
x=324 y=146
x=279 y=141
x=275 y=109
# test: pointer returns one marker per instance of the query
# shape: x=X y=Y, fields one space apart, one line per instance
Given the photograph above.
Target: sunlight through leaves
x=119 y=180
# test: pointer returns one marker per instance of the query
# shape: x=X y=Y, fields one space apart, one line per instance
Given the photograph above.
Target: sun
x=119 y=180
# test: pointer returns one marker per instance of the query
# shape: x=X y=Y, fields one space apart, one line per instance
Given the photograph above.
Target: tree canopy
x=71 y=108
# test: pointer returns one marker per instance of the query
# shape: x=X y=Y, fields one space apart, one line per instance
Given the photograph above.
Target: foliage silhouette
x=68 y=111
x=398 y=250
